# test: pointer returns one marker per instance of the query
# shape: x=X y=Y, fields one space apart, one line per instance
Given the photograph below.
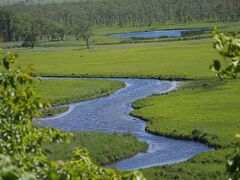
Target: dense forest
x=57 y=20
x=8 y=2
x=137 y=12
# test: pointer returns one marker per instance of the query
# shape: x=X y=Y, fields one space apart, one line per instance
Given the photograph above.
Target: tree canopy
x=56 y=21
x=135 y=12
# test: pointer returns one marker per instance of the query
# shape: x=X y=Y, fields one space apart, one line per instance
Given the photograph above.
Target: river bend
x=111 y=114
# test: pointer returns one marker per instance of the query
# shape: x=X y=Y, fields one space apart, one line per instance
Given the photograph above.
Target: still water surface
x=158 y=34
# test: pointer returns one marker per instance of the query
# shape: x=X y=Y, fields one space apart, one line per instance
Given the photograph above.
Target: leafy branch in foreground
x=19 y=106
x=229 y=48
x=22 y=155
x=233 y=165
x=9 y=171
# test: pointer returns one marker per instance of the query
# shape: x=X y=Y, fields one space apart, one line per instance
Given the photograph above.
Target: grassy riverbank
x=60 y=92
x=209 y=165
x=206 y=111
x=54 y=111
x=104 y=148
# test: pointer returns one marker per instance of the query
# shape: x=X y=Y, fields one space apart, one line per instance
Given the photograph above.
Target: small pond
x=161 y=34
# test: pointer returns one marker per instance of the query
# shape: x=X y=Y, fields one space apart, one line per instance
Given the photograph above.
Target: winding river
x=111 y=114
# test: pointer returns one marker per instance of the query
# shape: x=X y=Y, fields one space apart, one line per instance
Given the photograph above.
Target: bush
x=229 y=48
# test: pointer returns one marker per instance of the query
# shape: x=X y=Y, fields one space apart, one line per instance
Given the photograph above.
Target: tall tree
x=6 y=24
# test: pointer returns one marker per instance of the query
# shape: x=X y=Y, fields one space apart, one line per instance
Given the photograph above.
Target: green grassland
x=206 y=111
x=103 y=148
x=169 y=60
x=209 y=165
x=60 y=92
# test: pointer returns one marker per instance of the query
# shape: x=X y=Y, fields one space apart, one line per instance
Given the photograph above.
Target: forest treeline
x=57 y=20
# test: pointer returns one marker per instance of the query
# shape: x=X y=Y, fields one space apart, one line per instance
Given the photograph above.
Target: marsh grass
x=205 y=111
x=104 y=148
x=60 y=92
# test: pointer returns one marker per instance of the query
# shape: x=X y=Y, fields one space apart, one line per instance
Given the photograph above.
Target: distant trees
x=53 y=30
x=136 y=12
x=56 y=21
x=30 y=31
x=7 y=24
x=29 y=28
x=83 y=30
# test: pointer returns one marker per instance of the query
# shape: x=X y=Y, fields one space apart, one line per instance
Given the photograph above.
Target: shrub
x=229 y=48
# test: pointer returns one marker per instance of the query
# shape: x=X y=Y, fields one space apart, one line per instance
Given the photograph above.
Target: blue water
x=155 y=34
x=111 y=114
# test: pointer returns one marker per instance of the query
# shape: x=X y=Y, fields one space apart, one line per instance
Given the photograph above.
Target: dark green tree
x=6 y=24
x=135 y=12
x=85 y=32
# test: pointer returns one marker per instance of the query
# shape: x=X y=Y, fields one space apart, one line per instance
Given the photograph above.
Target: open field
x=173 y=60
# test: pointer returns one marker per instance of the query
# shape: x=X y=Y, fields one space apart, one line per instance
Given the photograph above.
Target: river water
x=111 y=114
